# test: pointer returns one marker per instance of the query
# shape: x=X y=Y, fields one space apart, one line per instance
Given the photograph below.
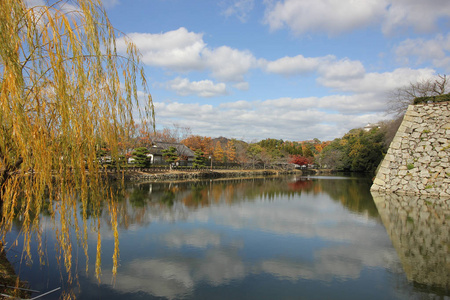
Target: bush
x=434 y=99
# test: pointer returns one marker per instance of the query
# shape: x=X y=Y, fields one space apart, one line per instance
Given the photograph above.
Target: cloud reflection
x=344 y=262
x=213 y=248
x=174 y=276
x=199 y=238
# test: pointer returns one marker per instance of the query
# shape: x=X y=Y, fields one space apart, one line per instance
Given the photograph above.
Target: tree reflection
x=350 y=192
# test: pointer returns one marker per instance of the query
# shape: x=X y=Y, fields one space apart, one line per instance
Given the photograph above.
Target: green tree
x=308 y=150
x=141 y=158
x=170 y=155
x=358 y=150
x=64 y=90
x=199 y=159
x=292 y=148
x=332 y=156
x=253 y=152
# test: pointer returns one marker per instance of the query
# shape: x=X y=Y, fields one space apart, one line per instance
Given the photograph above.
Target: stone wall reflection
x=420 y=232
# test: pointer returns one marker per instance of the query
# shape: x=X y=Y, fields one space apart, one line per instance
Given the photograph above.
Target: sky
x=285 y=69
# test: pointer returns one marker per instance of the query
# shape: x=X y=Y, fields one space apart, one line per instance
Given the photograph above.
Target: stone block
x=378 y=182
x=389 y=157
x=384 y=171
x=402 y=173
x=415 y=135
x=395 y=145
x=424 y=160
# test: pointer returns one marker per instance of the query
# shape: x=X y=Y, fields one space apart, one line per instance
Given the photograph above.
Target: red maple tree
x=300 y=160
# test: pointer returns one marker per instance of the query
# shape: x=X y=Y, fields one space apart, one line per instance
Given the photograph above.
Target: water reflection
x=260 y=238
x=420 y=232
x=173 y=201
x=225 y=232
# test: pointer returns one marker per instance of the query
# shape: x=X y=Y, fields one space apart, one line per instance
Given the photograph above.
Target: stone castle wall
x=418 y=159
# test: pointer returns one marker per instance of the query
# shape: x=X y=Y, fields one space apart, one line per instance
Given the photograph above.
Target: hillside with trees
x=359 y=150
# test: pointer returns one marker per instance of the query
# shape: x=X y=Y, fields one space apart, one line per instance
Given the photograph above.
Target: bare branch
x=400 y=98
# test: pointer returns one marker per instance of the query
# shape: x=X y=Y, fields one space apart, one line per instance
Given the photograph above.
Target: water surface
x=260 y=238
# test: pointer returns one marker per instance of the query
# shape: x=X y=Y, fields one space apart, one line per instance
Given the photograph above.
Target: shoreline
x=201 y=174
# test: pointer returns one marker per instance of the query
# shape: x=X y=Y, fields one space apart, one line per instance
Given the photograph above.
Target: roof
x=181 y=149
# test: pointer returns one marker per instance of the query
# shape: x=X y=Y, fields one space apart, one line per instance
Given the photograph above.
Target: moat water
x=261 y=238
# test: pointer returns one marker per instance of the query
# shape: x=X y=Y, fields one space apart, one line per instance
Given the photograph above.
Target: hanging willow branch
x=64 y=90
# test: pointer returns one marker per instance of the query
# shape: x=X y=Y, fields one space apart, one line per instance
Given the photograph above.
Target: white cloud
x=243 y=86
x=350 y=75
x=330 y=16
x=203 y=88
x=327 y=66
x=241 y=104
x=290 y=118
x=184 y=51
x=287 y=118
x=338 y=16
x=296 y=65
x=421 y=15
x=229 y=64
x=177 y=50
x=342 y=69
x=239 y=8
x=379 y=83
x=436 y=51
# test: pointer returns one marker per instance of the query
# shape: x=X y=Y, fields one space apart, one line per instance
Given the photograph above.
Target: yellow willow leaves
x=98 y=261
x=64 y=90
x=114 y=225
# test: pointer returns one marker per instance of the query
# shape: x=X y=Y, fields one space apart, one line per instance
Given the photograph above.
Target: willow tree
x=64 y=90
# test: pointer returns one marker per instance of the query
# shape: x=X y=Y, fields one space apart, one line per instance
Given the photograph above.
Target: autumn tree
x=300 y=160
x=241 y=154
x=195 y=142
x=230 y=151
x=64 y=90
x=144 y=137
x=219 y=154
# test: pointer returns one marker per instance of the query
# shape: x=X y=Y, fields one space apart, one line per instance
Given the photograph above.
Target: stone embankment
x=418 y=159
x=180 y=175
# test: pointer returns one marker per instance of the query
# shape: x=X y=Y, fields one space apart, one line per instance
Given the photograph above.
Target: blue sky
x=289 y=69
